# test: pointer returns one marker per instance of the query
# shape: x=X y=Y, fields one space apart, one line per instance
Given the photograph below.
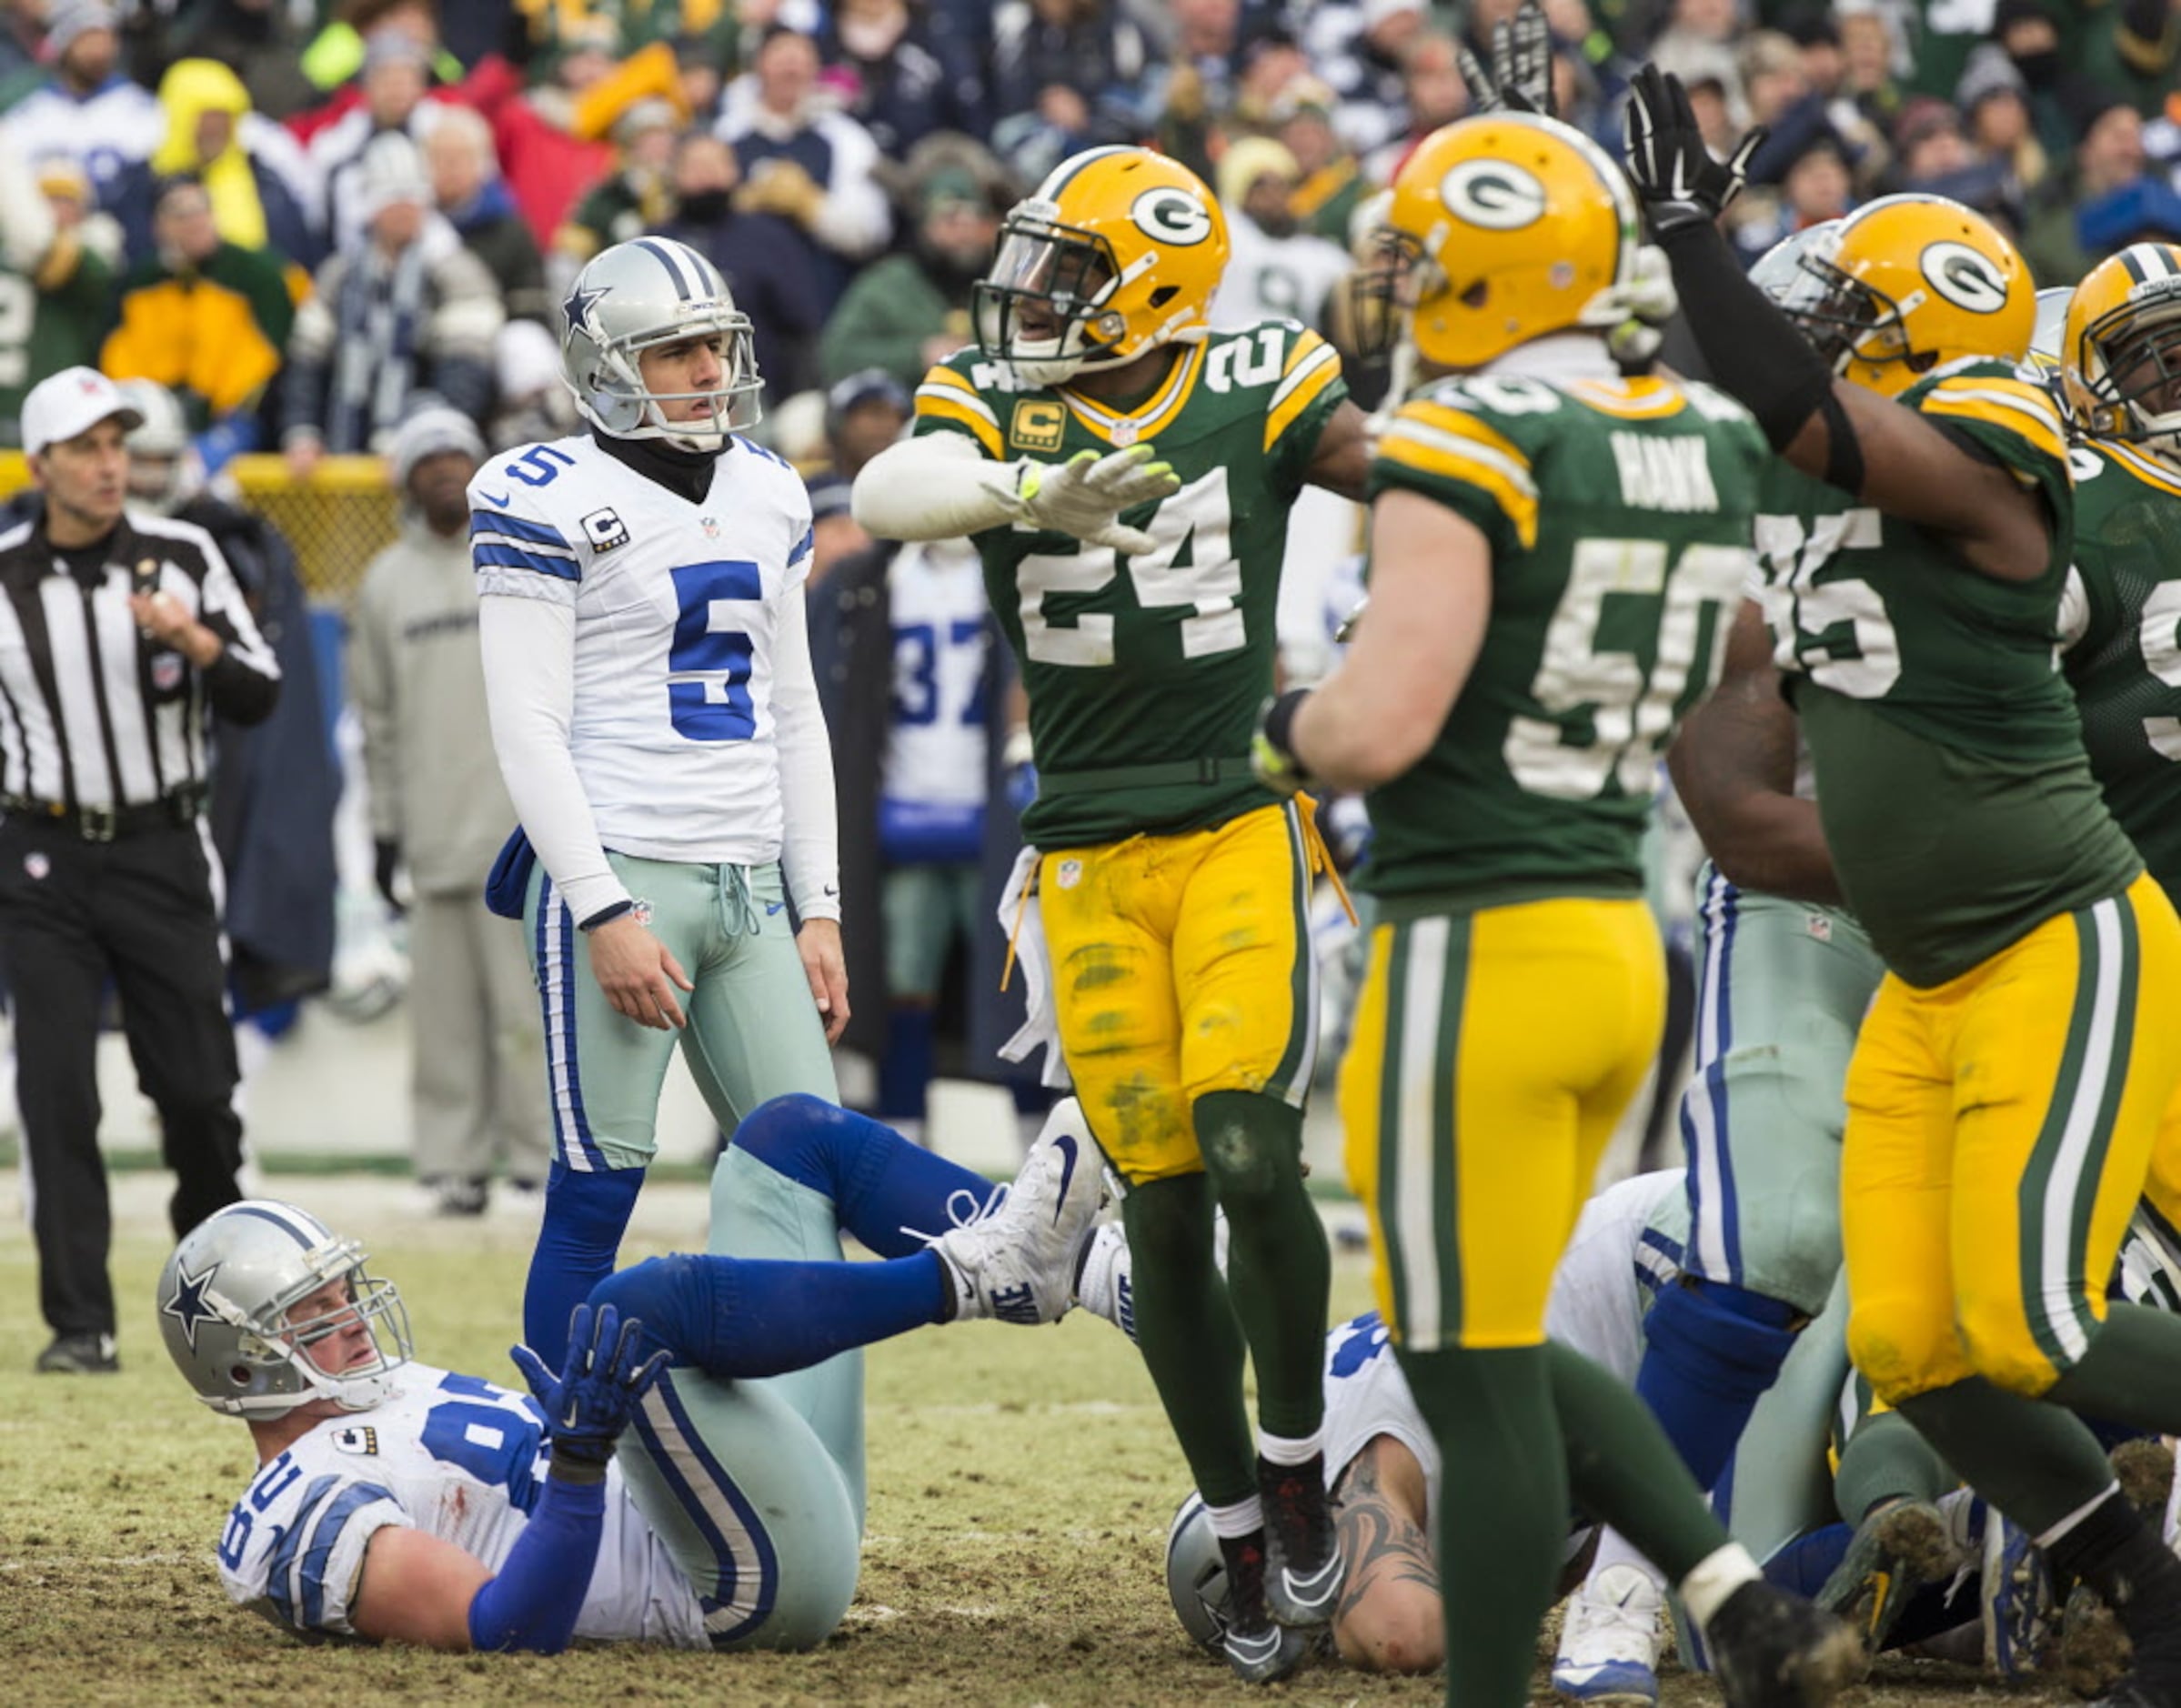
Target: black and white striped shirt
x=93 y=713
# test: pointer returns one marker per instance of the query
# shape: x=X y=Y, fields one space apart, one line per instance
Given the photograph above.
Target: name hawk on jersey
x=1669 y=473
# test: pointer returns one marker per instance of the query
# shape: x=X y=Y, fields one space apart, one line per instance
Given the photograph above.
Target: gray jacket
x=418 y=684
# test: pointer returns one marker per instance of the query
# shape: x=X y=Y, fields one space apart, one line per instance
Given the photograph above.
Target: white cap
x=434 y=428
x=73 y=401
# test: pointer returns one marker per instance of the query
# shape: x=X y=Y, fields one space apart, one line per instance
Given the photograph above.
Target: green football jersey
x=1950 y=779
x=49 y=323
x=2121 y=621
x=1619 y=514
x=1145 y=673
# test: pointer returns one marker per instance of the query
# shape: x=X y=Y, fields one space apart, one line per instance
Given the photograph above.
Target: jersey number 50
x=1198 y=518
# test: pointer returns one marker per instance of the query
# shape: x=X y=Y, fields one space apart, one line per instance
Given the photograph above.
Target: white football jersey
x=935 y=742
x=678 y=606
x=457 y=1457
x=1626 y=1245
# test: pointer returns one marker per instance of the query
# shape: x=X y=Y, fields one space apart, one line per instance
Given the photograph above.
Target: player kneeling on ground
x=399 y=1501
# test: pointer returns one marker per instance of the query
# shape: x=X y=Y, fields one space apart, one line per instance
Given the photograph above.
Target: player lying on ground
x=398 y=1501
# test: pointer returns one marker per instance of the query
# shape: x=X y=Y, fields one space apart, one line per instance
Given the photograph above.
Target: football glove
x=1521 y=78
x=599 y=1387
x=1270 y=756
x=1085 y=496
x=1673 y=173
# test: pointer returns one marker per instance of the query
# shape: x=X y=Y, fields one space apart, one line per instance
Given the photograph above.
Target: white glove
x=1085 y=496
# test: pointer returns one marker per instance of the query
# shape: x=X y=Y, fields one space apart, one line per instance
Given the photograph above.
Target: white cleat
x=1609 y=1640
x=1102 y=1286
x=1015 y=1259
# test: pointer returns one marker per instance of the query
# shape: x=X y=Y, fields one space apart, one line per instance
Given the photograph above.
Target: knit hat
x=1987 y=73
x=71 y=18
x=436 y=427
x=1250 y=159
x=393 y=171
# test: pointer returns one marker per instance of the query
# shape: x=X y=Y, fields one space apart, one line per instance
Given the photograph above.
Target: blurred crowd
x=298 y=215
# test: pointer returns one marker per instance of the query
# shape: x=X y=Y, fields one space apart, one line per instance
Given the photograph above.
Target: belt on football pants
x=103 y=824
x=1203 y=773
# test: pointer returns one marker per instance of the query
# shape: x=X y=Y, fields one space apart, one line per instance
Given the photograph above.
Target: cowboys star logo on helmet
x=648 y=294
x=186 y=1305
x=1119 y=251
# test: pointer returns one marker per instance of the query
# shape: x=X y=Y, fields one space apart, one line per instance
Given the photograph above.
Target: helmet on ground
x=2121 y=347
x=1118 y=252
x=644 y=295
x=227 y=1303
x=1196 y=1573
x=1504 y=229
x=1907 y=282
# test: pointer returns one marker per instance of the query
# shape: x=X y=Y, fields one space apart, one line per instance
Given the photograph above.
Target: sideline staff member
x=116 y=633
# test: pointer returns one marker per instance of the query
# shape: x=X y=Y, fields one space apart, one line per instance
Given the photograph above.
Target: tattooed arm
x=1388 y=1618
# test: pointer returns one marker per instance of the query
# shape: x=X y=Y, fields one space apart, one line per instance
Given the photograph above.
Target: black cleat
x=1771 y=1649
x=1260 y=1650
x=1303 y=1567
x=84 y=1354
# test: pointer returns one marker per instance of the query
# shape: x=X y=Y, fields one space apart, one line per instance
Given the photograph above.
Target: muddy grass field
x=1021 y=1485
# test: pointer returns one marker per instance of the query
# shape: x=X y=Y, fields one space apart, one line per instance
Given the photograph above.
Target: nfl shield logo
x=1070 y=874
x=710 y=526
x=642 y=913
x=36 y=865
x=166 y=672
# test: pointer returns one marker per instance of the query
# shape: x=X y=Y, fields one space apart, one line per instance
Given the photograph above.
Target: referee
x=117 y=633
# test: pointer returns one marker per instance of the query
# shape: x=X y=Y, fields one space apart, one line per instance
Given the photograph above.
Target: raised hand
x=1673 y=171
x=1085 y=496
x=599 y=1387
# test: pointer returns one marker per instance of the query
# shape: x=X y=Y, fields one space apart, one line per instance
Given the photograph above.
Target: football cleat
x=1771 y=1649
x=1305 y=1567
x=1014 y=1259
x=1609 y=1638
x=2020 y=1611
x=1897 y=1551
x=1260 y=1649
x=85 y=1355
x=1102 y=1278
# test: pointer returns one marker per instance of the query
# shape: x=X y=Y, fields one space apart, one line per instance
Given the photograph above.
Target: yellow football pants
x=2000 y=1129
x=1181 y=966
x=1493 y=1054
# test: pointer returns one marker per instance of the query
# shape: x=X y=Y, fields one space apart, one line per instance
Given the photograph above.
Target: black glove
x=1520 y=79
x=1270 y=756
x=599 y=1387
x=386 y=857
x=1673 y=173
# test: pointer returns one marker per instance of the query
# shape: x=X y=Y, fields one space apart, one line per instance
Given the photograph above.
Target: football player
x=1138 y=591
x=1558 y=540
x=647 y=670
x=395 y=1501
x=2008 y=1085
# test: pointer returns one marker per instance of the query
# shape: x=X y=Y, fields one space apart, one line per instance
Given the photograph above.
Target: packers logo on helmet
x=2120 y=350
x=1907 y=282
x=1500 y=229
x=1118 y=252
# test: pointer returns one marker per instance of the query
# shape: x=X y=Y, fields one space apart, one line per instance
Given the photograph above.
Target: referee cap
x=73 y=401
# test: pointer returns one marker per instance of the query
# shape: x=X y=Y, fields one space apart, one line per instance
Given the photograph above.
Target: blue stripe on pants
x=558 y=968
x=1714 y=1249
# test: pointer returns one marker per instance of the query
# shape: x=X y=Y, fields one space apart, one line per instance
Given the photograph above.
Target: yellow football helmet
x=1118 y=252
x=2121 y=350
x=1504 y=228
x=1907 y=282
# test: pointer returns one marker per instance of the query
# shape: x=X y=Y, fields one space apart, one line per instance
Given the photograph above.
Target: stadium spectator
x=265 y=191
x=804 y=161
x=396 y=74
x=1064 y=76
x=760 y=255
x=472 y=197
x=1275 y=270
x=275 y=783
x=85 y=106
x=1869 y=60
x=439 y=809
x=56 y=292
x=2028 y=36
x=1358 y=47
x=1995 y=102
x=103 y=871
x=1195 y=88
x=908 y=73
x=259 y=39
x=635 y=197
x=403 y=308
x=74 y=205
x=1431 y=95
x=865 y=413
x=204 y=317
x=2109 y=196
x=909 y=310
x=1331 y=184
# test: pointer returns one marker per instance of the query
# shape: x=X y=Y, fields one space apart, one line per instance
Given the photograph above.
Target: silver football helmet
x=1781 y=265
x=159 y=475
x=1196 y=1575
x=2051 y=333
x=635 y=297
x=226 y=1299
